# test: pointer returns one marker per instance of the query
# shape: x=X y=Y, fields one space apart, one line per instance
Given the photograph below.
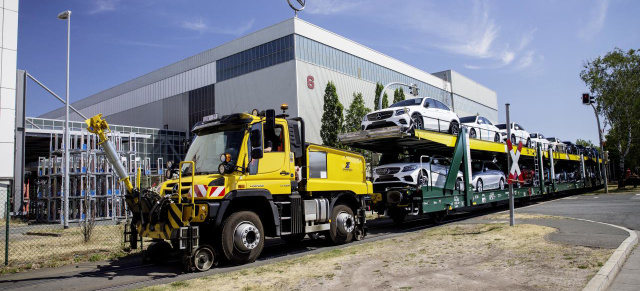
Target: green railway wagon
x=398 y=202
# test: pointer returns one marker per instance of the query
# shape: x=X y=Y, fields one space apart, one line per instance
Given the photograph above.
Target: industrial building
x=290 y=62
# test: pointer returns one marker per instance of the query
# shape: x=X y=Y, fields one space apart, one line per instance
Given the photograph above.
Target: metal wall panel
x=262 y=89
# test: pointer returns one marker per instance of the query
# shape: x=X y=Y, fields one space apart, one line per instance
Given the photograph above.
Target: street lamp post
x=66 y=15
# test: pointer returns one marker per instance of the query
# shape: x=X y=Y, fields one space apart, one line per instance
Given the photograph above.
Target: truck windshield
x=209 y=144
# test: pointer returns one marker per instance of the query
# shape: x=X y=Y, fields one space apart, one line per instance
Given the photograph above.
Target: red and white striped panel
x=200 y=190
x=216 y=191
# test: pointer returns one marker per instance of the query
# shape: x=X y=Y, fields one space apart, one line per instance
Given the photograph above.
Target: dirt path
x=456 y=257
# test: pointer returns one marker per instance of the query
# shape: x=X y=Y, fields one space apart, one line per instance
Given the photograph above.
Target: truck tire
x=398 y=216
x=242 y=237
x=342 y=224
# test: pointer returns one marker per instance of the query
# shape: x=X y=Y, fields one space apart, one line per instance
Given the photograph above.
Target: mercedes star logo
x=297 y=7
x=378 y=116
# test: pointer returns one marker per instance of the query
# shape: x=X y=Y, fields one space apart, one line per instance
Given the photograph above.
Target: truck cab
x=250 y=176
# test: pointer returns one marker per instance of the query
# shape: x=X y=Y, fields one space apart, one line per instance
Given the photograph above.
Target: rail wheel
x=242 y=237
x=158 y=252
x=438 y=216
x=203 y=258
x=398 y=216
x=342 y=224
x=294 y=238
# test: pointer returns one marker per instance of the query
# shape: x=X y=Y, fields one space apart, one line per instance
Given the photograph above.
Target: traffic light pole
x=604 y=167
x=413 y=86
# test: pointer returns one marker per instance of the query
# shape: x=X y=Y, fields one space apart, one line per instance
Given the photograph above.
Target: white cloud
x=327 y=7
x=597 y=17
x=201 y=26
x=104 y=6
x=526 y=60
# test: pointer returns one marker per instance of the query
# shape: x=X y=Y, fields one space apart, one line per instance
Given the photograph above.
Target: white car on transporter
x=481 y=128
x=518 y=134
x=418 y=113
x=538 y=138
x=409 y=171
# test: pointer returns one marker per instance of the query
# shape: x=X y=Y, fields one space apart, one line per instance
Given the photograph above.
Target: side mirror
x=256 y=138
x=256 y=141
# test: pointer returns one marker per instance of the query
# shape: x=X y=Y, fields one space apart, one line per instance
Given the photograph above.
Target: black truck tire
x=242 y=237
x=340 y=234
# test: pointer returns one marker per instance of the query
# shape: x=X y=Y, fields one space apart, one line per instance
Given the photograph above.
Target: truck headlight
x=409 y=168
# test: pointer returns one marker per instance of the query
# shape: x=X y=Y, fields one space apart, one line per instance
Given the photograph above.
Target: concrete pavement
x=628 y=278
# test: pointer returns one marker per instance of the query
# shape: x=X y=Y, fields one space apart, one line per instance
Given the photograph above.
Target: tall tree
x=356 y=112
x=398 y=95
x=615 y=81
x=332 y=118
x=376 y=100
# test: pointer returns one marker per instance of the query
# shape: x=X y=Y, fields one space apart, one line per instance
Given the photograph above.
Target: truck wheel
x=398 y=216
x=293 y=238
x=158 y=252
x=342 y=224
x=242 y=237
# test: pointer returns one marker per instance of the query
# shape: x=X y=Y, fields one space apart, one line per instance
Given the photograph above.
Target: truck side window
x=274 y=141
x=318 y=165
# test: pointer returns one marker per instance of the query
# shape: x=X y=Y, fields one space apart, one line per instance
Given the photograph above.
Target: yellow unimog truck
x=246 y=177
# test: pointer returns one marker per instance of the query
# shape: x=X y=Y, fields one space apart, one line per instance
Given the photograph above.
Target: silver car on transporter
x=409 y=171
x=487 y=175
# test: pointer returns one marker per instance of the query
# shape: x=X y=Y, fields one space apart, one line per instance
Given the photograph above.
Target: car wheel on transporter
x=472 y=133
x=501 y=184
x=513 y=139
x=454 y=128
x=342 y=224
x=458 y=184
x=417 y=121
x=497 y=138
x=423 y=178
x=242 y=237
x=528 y=142
x=479 y=186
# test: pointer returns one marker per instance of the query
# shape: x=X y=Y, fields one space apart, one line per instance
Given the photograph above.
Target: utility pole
x=512 y=220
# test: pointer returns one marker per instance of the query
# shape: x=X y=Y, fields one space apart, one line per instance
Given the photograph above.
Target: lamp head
x=64 y=15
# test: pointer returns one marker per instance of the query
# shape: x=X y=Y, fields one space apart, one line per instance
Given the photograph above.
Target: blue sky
x=529 y=52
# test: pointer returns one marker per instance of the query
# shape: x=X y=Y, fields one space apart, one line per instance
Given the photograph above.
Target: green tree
x=615 y=82
x=356 y=112
x=332 y=118
x=586 y=143
x=398 y=95
x=376 y=100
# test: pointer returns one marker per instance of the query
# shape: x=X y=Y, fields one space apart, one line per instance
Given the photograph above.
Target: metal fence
x=29 y=244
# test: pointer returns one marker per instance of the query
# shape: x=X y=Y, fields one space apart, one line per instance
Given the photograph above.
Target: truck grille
x=387 y=171
x=379 y=115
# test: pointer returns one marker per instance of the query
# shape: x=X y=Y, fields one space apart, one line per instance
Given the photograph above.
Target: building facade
x=290 y=62
x=8 y=59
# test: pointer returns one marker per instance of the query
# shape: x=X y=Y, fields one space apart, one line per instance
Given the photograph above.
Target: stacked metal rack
x=94 y=189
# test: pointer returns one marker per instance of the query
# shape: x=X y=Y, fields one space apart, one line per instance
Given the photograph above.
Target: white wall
x=8 y=58
x=311 y=101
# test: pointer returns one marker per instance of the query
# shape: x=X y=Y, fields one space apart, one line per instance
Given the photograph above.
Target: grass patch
x=515 y=257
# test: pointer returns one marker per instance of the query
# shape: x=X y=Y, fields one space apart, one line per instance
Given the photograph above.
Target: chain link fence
x=32 y=245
